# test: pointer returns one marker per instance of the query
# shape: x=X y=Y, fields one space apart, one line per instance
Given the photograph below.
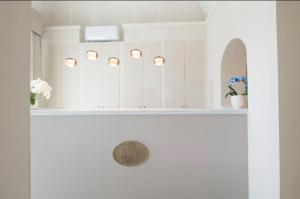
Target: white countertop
x=223 y=111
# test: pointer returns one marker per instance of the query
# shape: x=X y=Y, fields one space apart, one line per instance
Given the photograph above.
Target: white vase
x=237 y=101
x=36 y=105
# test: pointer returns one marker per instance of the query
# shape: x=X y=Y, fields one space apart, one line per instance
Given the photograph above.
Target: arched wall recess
x=234 y=63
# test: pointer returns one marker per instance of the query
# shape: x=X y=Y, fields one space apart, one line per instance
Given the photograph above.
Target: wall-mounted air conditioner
x=102 y=33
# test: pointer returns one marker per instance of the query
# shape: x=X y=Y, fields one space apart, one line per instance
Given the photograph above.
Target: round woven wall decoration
x=131 y=153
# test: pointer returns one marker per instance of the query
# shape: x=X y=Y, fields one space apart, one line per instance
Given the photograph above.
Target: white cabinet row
x=135 y=83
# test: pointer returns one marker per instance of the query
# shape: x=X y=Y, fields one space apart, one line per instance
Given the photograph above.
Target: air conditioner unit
x=102 y=33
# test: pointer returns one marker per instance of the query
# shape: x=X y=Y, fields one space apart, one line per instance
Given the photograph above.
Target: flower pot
x=35 y=105
x=237 y=101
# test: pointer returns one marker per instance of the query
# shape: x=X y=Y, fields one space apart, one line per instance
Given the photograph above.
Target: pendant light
x=70 y=61
x=113 y=61
x=136 y=53
x=158 y=60
x=91 y=54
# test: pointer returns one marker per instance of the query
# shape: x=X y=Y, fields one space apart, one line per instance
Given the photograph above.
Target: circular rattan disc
x=131 y=153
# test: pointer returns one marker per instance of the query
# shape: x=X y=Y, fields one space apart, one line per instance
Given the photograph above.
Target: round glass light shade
x=136 y=53
x=70 y=62
x=92 y=55
x=159 y=60
x=113 y=61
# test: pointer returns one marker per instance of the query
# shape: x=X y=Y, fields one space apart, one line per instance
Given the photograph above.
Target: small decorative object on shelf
x=38 y=86
x=237 y=100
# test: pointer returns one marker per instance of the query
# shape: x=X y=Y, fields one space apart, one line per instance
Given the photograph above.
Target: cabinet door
x=175 y=74
x=70 y=76
x=193 y=74
x=90 y=77
x=151 y=76
x=131 y=80
x=109 y=95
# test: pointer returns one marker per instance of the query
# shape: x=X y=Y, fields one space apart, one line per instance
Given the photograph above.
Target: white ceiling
x=207 y=7
x=117 y=12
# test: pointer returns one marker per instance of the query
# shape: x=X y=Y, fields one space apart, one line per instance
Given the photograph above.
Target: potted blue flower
x=237 y=100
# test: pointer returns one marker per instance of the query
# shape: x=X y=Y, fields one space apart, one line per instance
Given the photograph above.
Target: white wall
x=36 y=22
x=14 y=86
x=255 y=24
x=191 y=156
x=288 y=19
x=60 y=35
x=184 y=31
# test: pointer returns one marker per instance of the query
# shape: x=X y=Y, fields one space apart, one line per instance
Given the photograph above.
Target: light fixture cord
x=71 y=12
x=157 y=22
x=138 y=29
x=158 y=40
x=160 y=46
x=70 y=24
x=91 y=14
x=142 y=66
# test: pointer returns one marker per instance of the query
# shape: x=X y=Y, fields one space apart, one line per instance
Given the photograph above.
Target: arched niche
x=234 y=63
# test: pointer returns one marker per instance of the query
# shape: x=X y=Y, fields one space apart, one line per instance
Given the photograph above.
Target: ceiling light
x=159 y=60
x=70 y=62
x=136 y=53
x=113 y=61
x=92 y=55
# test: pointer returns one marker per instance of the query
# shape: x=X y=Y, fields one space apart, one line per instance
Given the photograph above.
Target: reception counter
x=192 y=154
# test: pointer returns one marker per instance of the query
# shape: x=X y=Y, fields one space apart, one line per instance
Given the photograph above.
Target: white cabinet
x=194 y=74
x=110 y=76
x=69 y=77
x=151 y=74
x=140 y=78
x=135 y=83
x=90 y=74
x=175 y=74
x=64 y=80
x=184 y=75
x=131 y=78
x=99 y=82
